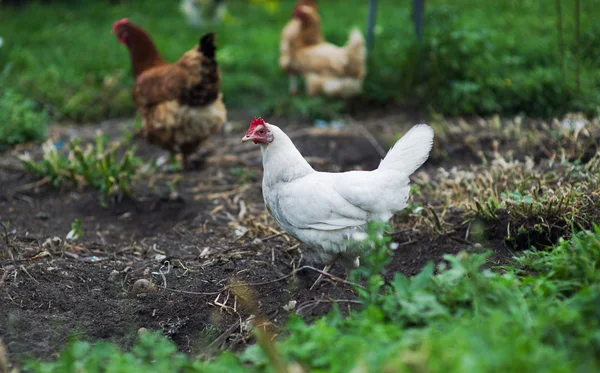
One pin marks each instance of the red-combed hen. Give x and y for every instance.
(324, 209)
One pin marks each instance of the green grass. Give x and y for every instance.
(21, 119)
(539, 316)
(477, 57)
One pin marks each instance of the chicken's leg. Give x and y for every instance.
(326, 270)
(195, 161)
(293, 79)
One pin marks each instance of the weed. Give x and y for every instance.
(545, 182)
(76, 231)
(172, 185)
(97, 165)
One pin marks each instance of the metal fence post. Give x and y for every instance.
(371, 24)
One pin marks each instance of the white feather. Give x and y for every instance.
(410, 152)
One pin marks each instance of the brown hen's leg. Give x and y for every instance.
(194, 161)
(326, 270)
(293, 80)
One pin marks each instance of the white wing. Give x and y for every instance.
(312, 202)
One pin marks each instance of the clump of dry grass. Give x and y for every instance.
(532, 203)
(573, 137)
(517, 194)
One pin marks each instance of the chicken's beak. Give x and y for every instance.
(246, 138)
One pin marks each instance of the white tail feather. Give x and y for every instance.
(410, 152)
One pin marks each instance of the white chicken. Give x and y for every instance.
(323, 209)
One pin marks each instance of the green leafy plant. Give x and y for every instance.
(97, 165)
(21, 120)
(76, 231)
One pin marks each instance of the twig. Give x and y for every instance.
(316, 302)
(399, 232)
(243, 211)
(193, 292)
(334, 278)
(220, 339)
(33, 185)
(28, 274)
(458, 239)
(272, 236)
(407, 243)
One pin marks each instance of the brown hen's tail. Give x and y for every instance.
(357, 53)
(207, 90)
(207, 45)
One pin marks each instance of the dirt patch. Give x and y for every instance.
(215, 233)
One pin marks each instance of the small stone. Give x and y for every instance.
(142, 330)
(142, 286)
(42, 215)
(113, 275)
(229, 266)
(290, 306)
(125, 216)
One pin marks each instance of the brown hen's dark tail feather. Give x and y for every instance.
(207, 45)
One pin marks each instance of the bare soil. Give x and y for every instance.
(189, 247)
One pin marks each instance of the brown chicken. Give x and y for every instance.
(327, 68)
(180, 103)
(291, 40)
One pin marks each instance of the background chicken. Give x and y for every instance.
(327, 68)
(323, 209)
(198, 12)
(181, 103)
(293, 39)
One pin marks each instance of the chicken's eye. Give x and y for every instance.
(261, 131)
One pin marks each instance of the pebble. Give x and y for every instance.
(113, 275)
(142, 286)
(290, 306)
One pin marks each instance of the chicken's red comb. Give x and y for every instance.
(300, 11)
(255, 122)
(118, 23)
